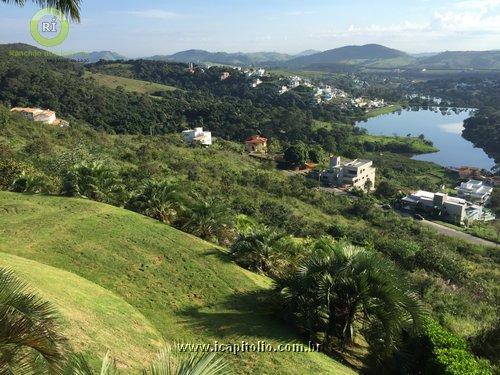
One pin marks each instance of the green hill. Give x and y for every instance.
(462, 60)
(95, 319)
(186, 288)
(92, 57)
(129, 84)
(350, 55)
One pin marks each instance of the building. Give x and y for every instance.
(452, 209)
(469, 172)
(36, 114)
(475, 191)
(358, 173)
(256, 144)
(197, 136)
(256, 83)
(283, 90)
(45, 116)
(225, 76)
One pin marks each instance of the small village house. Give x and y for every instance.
(224, 76)
(256, 145)
(197, 136)
(45, 116)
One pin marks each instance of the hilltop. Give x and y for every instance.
(462, 60)
(238, 58)
(348, 55)
(92, 57)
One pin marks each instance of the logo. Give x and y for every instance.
(49, 27)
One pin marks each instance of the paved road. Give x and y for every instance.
(450, 232)
(442, 229)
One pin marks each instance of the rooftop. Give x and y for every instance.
(35, 111)
(256, 139)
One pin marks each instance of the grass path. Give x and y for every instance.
(188, 289)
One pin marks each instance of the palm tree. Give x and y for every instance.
(208, 219)
(341, 289)
(68, 7)
(257, 250)
(159, 200)
(93, 180)
(30, 342)
(166, 363)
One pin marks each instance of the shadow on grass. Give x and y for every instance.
(240, 315)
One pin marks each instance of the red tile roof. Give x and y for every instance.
(256, 139)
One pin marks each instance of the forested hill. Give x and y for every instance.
(348, 55)
(231, 109)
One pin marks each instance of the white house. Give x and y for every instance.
(45, 116)
(358, 173)
(36, 114)
(475, 191)
(283, 90)
(256, 83)
(197, 135)
(456, 210)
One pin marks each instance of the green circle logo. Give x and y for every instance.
(49, 27)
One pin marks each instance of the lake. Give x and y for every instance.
(444, 130)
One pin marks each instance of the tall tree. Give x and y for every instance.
(68, 7)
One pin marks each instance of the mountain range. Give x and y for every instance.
(369, 56)
(92, 57)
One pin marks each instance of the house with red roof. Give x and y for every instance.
(256, 144)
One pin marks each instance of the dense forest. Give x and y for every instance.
(231, 109)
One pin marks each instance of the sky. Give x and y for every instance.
(145, 28)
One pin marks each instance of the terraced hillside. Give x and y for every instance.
(90, 258)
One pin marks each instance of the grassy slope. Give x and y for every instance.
(94, 319)
(188, 289)
(129, 84)
(383, 111)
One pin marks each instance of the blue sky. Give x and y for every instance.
(143, 28)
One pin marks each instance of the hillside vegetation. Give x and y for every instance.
(188, 289)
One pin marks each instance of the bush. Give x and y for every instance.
(449, 354)
(10, 170)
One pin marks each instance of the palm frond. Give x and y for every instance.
(68, 7)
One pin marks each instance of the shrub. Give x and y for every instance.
(449, 354)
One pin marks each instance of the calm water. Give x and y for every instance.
(445, 131)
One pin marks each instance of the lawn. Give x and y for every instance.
(129, 84)
(383, 111)
(415, 145)
(189, 290)
(94, 319)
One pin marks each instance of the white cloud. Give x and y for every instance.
(467, 18)
(154, 13)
